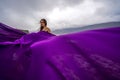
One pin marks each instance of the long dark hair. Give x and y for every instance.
(45, 21)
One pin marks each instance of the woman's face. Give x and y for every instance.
(42, 23)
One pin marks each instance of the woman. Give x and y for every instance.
(44, 27)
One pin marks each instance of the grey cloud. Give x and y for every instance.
(36, 5)
(26, 8)
(110, 8)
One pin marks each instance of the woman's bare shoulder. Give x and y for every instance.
(47, 29)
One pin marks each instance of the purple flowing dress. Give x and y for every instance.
(86, 55)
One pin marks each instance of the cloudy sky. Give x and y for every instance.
(25, 14)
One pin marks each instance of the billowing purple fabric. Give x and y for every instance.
(86, 55)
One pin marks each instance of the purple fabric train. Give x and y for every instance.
(86, 55)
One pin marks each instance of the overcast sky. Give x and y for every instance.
(25, 14)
